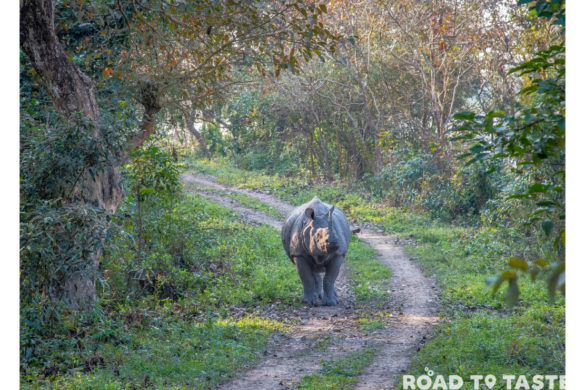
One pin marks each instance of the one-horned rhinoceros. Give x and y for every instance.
(315, 236)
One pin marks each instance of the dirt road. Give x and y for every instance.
(329, 332)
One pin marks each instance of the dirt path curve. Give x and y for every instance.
(329, 332)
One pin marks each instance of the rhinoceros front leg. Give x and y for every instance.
(331, 272)
(306, 274)
(318, 284)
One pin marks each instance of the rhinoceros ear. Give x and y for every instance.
(310, 213)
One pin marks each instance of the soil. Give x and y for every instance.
(324, 333)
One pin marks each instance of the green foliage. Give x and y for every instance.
(153, 184)
(213, 139)
(252, 138)
(533, 138)
(368, 324)
(214, 32)
(159, 351)
(548, 9)
(339, 373)
(55, 242)
(443, 189)
(55, 153)
(151, 171)
(463, 258)
(292, 128)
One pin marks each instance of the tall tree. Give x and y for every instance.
(177, 52)
(72, 94)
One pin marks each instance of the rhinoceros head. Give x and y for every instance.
(319, 235)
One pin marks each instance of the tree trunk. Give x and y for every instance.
(72, 93)
(311, 155)
(190, 122)
(322, 144)
(326, 163)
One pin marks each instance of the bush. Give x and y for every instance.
(442, 189)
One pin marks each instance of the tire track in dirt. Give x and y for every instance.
(418, 301)
(414, 302)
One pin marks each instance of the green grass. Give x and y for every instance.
(253, 203)
(296, 191)
(462, 258)
(527, 343)
(340, 373)
(480, 334)
(234, 176)
(322, 343)
(369, 323)
(248, 201)
(176, 355)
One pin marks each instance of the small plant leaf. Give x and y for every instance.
(465, 115)
(518, 263)
(547, 226)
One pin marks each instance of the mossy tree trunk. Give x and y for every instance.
(190, 122)
(72, 94)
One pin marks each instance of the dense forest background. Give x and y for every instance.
(450, 111)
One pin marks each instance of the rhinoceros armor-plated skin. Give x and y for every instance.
(315, 237)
